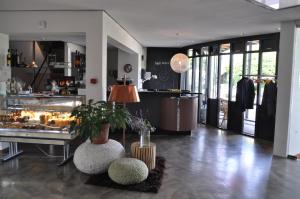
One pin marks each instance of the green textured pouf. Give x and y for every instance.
(128, 171)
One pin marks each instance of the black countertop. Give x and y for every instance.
(168, 92)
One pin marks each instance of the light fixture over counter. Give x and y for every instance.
(179, 63)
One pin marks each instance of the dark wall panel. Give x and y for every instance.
(212, 112)
(235, 118)
(158, 63)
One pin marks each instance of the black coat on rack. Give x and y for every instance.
(245, 93)
(265, 114)
(269, 98)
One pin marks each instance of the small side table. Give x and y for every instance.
(145, 154)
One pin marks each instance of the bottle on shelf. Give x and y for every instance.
(77, 59)
(13, 57)
(8, 58)
(17, 58)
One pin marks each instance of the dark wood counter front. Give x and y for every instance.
(150, 106)
(179, 113)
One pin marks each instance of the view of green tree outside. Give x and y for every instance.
(237, 72)
(269, 63)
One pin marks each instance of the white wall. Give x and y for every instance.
(126, 58)
(5, 72)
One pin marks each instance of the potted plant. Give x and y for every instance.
(144, 128)
(93, 120)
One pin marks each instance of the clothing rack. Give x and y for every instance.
(258, 75)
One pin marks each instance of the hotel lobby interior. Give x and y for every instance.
(149, 99)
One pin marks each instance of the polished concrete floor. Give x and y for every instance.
(210, 164)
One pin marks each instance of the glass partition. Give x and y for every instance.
(196, 74)
(224, 90)
(268, 70)
(236, 74)
(203, 89)
(251, 65)
(253, 45)
(213, 77)
(189, 75)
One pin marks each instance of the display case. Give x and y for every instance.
(37, 119)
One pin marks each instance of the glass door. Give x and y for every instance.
(224, 90)
(196, 70)
(203, 89)
(213, 78)
(189, 76)
(251, 71)
(236, 74)
(268, 70)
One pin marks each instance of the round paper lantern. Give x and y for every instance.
(180, 63)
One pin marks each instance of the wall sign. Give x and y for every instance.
(158, 63)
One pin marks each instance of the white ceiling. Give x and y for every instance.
(76, 38)
(157, 22)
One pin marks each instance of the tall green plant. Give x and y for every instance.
(90, 118)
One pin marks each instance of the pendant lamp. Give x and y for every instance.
(179, 63)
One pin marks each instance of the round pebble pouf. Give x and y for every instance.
(127, 171)
(95, 158)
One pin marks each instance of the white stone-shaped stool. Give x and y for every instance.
(95, 158)
(128, 171)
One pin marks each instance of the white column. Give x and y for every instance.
(5, 72)
(96, 43)
(294, 131)
(287, 85)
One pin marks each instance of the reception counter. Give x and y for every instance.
(179, 113)
(155, 107)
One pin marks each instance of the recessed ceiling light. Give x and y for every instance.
(276, 4)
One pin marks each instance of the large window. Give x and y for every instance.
(213, 77)
(224, 76)
(196, 78)
(189, 79)
(218, 66)
(236, 74)
(251, 65)
(269, 63)
(268, 70)
(203, 74)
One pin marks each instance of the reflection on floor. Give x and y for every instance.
(249, 127)
(222, 121)
(210, 164)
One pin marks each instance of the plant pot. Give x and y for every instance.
(102, 138)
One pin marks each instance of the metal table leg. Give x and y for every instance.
(67, 155)
(12, 152)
